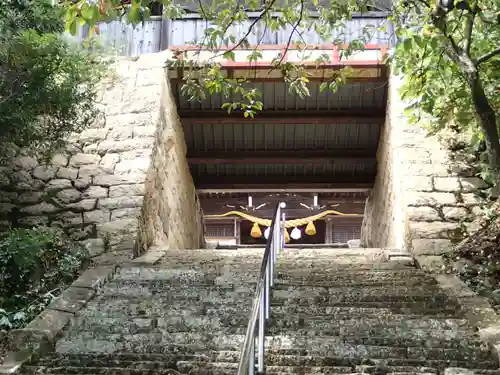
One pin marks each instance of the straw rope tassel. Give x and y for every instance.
(310, 229)
(256, 232)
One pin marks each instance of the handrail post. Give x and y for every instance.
(262, 314)
(277, 236)
(268, 290)
(283, 229)
(251, 358)
(271, 261)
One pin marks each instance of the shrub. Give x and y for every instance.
(35, 264)
(48, 85)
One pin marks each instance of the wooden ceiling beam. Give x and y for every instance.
(283, 157)
(365, 115)
(284, 182)
(242, 198)
(264, 117)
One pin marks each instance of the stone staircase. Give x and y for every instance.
(333, 312)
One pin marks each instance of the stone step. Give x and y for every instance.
(187, 367)
(293, 254)
(223, 369)
(298, 359)
(380, 337)
(223, 276)
(118, 305)
(321, 263)
(67, 370)
(227, 283)
(318, 271)
(165, 289)
(245, 300)
(231, 368)
(124, 309)
(381, 326)
(413, 339)
(217, 367)
(161, 286)
(317, 346)
(369, 279)
(220, 368)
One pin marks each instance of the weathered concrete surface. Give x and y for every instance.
(127, 172)
(424, 196)
(187, 311)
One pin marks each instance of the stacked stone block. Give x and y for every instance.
(424, 197)
(95, 187)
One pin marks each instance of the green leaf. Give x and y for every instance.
(90, 14)
(418, 41)
(229, 55)
(407, 45)
(134, 15)
(73, 27)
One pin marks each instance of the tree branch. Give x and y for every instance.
(488, 56)
(204, 14)
(455, 51)
(469, 26)
(294, 29)
(454, 44)
(252, 25)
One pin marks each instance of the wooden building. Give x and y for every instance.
(315, 153)
(331, 229)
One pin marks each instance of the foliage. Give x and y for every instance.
(204, 78)
(440, 51)
(47, 86)
(19, 15)
(34, 265)
(448, 51)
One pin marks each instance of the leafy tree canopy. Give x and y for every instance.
(47, 86)
(450, 58)
(448, 51)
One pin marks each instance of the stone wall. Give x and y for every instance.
(95, 187)
(384, 220)
(424, 197)
(172, 213)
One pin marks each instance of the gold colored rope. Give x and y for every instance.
(288, 224)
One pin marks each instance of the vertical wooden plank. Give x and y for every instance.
(165, 34)
(329, 231)
(237, 230)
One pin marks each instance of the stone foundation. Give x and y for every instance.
(424, 199)
(129, 169)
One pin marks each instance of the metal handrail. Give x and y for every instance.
(261, 305)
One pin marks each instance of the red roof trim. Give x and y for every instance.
(335, 55)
